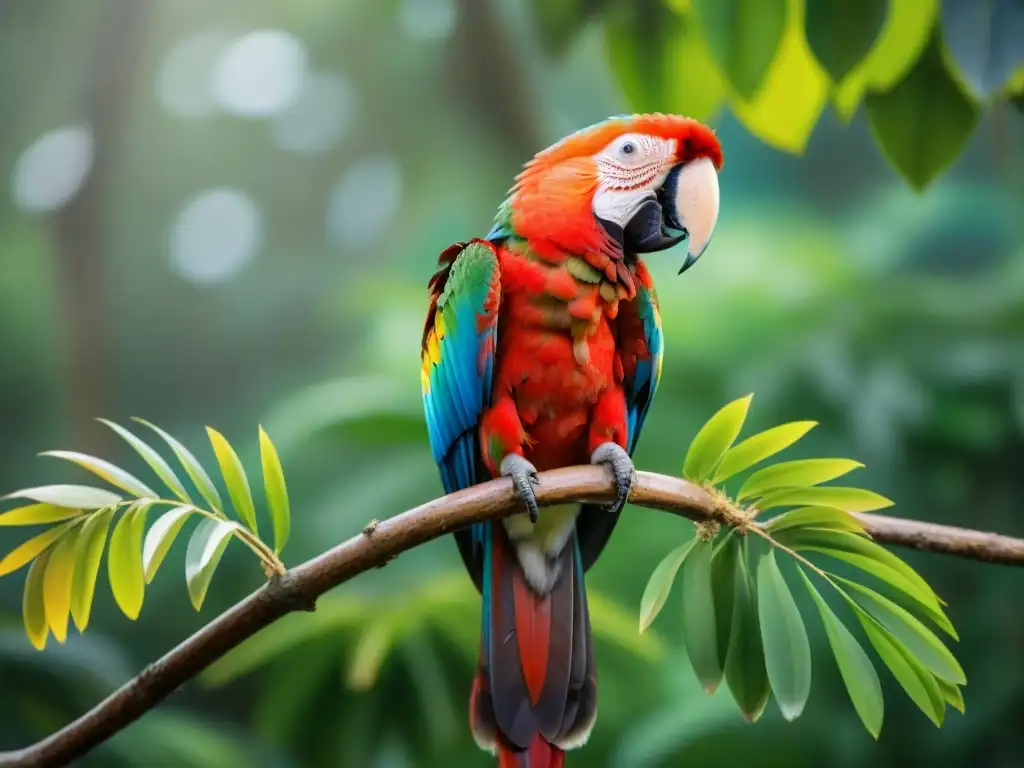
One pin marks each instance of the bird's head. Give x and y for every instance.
(637, 184)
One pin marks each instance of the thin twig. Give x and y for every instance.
(298, 588)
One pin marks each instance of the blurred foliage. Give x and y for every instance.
(925, 75)
(892, 318)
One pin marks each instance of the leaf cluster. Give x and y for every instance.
(741, 620)
(64, 559)
(925, 73)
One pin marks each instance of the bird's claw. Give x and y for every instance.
(614, 456)
(524, 477)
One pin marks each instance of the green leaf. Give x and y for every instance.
(30, 549)
(72, 496)
(841, 32)
(699, 623)
(276, 491)
(153, 459)
(744, 662)
(951, 694)
(787, 652)
(816, 517)
(192, 467)
(60, 570)
(714, 439)
(124, 560)
(866, 555)
(723, 587)
(37, 514)
(854, 665)
(743, 37)
(908, 630)
(107, 471)
(904, 37)
(160, 537)
(923, 123)
(558, 24)
(372, 649)
(661, 60)
(847, 499)
(660, 583)
(235, 479)
(87, 565)
(759, 447)
(801, 473)
(986, 39)
(33, 605)
(919, 684)
(786, 108)
(202, 557)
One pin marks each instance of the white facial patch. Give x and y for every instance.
(629, 169)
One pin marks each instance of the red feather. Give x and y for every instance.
(533, 632)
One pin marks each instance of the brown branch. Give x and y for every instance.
(299, 588)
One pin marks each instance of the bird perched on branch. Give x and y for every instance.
(543, 348)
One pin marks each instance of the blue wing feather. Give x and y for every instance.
(641, 387)
(458, 365)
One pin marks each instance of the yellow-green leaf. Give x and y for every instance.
(855, 667)
(816, 517)
(234, 478)
(160, 537)
(908, 630)
(124, 560)
(72, 496)
(759, 447)
(205, 548)
(743, 37)
(192, 467)
(699, 623)
(786, 108)
(87, 565)
(919, 684)
(801, 473)
(660, 583)
(714, 439)
(276, 491)
(951, 694)
(787, 651)
(107, 471)
(924, 122)
(840, 497)
(153, 459)
(37, 514)
(371, 651)
(60, 570)
(32, 548)
(33, 605)
(907, 29)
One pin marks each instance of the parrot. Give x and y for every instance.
(542, 348)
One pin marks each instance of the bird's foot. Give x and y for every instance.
(614, 456)
(524, 477)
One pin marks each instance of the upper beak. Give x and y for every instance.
(690, 197)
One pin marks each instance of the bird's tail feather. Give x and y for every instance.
(535, 691)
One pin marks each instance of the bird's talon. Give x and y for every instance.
(524, 477)
(615, 457)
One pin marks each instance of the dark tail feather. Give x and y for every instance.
(535, 691)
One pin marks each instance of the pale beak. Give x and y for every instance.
(693, 198)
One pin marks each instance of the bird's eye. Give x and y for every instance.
(628, 148)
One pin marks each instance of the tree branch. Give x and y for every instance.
(381, 542)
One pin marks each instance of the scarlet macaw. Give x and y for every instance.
(543, 348)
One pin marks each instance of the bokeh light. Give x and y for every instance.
(364, 201)
(260, 73)
(215, 235)
(318, 118)
(52, 169)
(184, 80)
